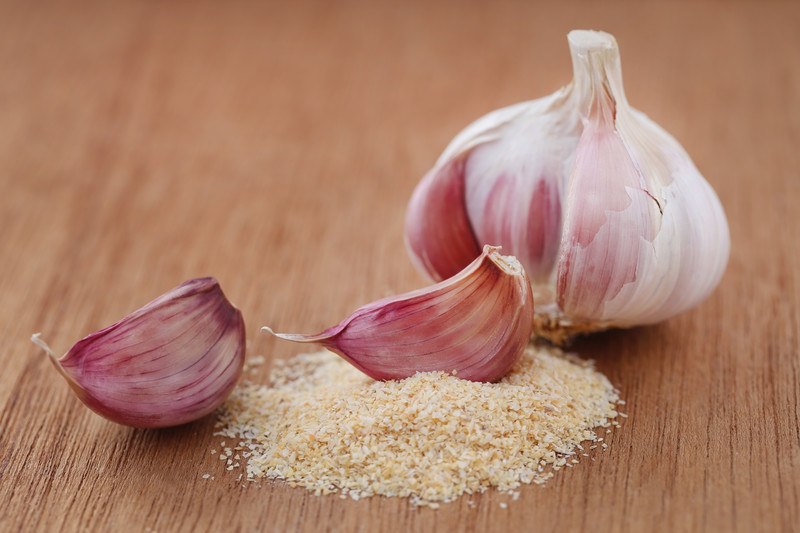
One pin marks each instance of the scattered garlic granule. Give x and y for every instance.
(432, 437)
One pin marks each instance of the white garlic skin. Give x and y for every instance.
(612, 221)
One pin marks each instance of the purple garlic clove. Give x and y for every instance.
(173, 361)
(475, 325)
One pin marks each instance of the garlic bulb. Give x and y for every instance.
(605, 210)
(475, 325)
(171, 362)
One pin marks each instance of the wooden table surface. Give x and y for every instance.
(275, 146)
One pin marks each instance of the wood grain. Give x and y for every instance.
(274, 145)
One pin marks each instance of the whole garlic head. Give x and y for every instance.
(612, 221)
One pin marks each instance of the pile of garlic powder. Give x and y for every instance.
(432, 437)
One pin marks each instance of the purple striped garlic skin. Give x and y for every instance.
(442, 225)
(474, 324)
(605, 210)
(173, 361)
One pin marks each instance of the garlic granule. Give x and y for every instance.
(325, 426)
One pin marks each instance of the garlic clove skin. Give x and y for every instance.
(607, 213)
(518, 204)
(610, 217)
(171, 362)
(475, 324)
(438, 234)
(645, 237)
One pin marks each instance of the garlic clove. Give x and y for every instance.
(475, 324)
(610, 217)
(173, 361)
(518, 204)
(516, 213)
(438, 234)
(645, 237)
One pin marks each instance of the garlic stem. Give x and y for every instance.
(597, 74)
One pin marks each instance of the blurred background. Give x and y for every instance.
(172, 129)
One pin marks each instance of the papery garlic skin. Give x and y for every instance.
(173, 361)
(475, 324)
(605, 210)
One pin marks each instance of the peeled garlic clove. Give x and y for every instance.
(475, 324)
(171, 362)
(605, 210)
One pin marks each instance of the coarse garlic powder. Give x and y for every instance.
(432, 437)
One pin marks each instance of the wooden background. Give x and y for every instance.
(275, 146)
